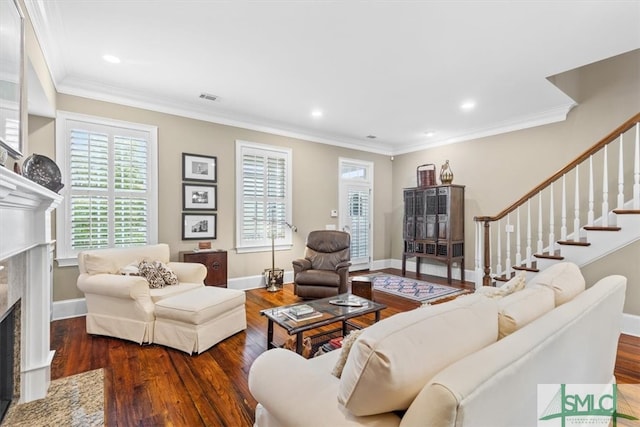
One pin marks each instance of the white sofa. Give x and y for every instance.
(443, 365)
(123, 306)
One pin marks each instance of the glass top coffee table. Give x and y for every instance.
(324, 313)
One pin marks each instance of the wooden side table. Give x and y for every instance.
(362, 286)
(216, 263)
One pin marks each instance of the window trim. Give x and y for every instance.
(280, 244)
(65, 255)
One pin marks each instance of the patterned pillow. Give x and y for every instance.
(169, 277)
(151, 273)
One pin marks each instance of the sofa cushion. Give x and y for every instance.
(521, 308)
(96, 263)
(565, 279)
(381, 375)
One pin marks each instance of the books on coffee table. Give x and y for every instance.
(294, 315)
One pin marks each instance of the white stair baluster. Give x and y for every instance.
(636, 171)
(563, 218)
(620, 204)
(499, 250)
(552, 225)
(507, 260)
(540, 244)
(518, 242)
(576, 207)
(479, 254)
(590, 213)
(605, 191)
(528, 248)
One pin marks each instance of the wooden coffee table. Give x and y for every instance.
(329, 314)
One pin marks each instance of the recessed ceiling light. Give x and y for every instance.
(430, 133)
(468, 105)
(112, 59)
(371, 136)
(316, 113)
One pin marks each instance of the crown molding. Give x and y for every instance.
(41, 13)
(553, 115)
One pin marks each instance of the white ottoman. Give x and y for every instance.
(194, 321)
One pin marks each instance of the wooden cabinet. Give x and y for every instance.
(433, 226)
(216, 263)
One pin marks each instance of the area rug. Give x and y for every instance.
(417, 290)
(77, 401)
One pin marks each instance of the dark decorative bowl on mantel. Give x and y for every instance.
(44, 171)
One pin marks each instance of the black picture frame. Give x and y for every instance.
(199, 226)
(197, 167)
(199, 197)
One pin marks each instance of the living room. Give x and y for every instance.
(496, 170)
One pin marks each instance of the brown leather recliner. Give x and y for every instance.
(325, 268)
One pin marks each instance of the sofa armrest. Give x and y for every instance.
(114, 285)
(300, 264)
(189, 272)
(296, 392)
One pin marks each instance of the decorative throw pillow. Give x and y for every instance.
(517, 283)
(347, 343)
(169, 277)
(151, 273)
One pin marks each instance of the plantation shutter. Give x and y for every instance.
(264, 204)
(109, 202)
(359, 214)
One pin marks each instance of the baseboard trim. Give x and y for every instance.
(631, 324)
(68, 308)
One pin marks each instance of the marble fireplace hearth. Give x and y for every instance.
(26, 255)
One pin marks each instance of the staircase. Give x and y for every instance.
(562, 219)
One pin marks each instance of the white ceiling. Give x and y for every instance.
(391, 69)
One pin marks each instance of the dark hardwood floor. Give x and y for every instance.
(153, 385)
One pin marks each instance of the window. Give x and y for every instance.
(109, 169)
(263, 197)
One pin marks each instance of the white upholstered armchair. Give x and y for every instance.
(120, 305)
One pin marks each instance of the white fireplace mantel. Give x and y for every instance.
(25, 228)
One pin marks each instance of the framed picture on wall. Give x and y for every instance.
(196, 167)
(198, 227)
(197, 197)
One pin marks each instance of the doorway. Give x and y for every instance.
(355, 207)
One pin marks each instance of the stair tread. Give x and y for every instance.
(627, 211)
(525, 268)
(581, 242)
(593, 228)
(547, 255)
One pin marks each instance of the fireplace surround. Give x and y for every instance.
(25, 251)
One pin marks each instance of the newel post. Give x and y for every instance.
(486, 279)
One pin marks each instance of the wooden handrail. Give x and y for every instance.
(582, 157)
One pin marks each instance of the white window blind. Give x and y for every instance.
(263, 196)
(109, 170)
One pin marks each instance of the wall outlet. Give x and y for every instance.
(330, 227)
(508, 228)
(334, 213)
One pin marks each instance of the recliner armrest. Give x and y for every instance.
(343, 264)
(189, 272)
(301, 264)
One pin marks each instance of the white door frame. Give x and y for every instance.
(367, 180)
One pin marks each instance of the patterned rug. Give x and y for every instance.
(77, 400)
(417, 290)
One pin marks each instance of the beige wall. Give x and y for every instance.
(498, 170)
(315, 183)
